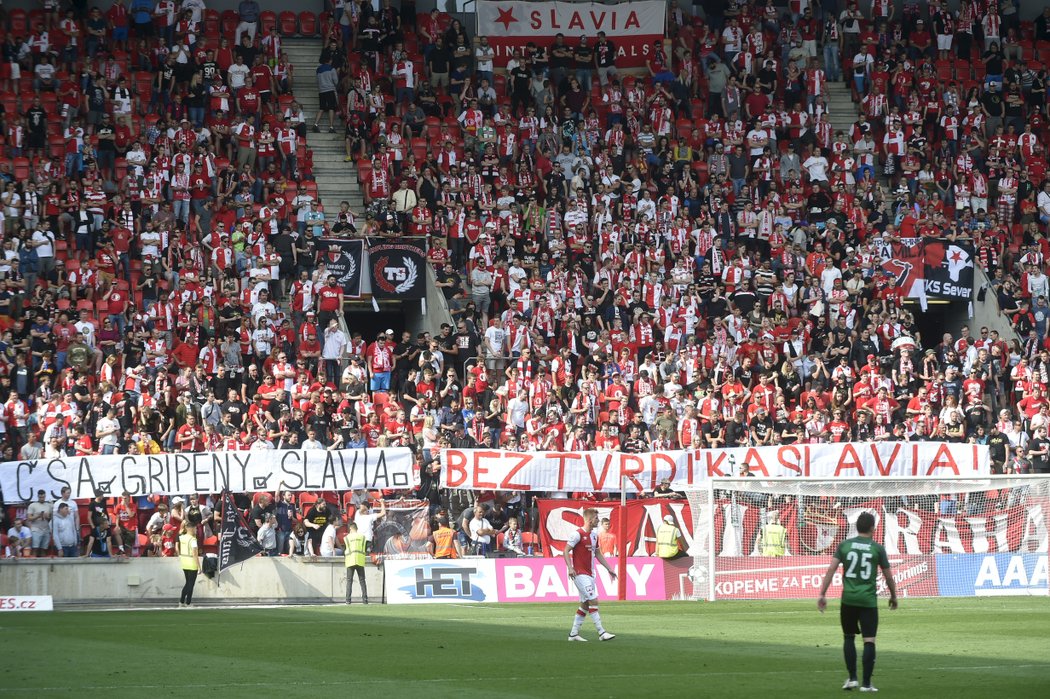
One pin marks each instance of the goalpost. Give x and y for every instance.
(757, 538)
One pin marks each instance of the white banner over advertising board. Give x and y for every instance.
(479, 469)
(632, 27)
(210, 472)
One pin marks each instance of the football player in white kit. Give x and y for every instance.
(580, 552)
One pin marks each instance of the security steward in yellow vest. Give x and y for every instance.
(443, 540)
(354, 555)
(774, 537)
(668, 538)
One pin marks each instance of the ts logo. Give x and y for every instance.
(443, 582)
(395, 274)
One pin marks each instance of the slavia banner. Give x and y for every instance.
(210, 472)
(904, 531)
(601, 471)
(632, 27)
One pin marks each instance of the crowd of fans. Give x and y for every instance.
(687, 257)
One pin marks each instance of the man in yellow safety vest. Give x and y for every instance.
(774, 536)
(668, 540)
(354, 544)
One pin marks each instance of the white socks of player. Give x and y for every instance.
(577, 621)
(597, 619)
(582, 614)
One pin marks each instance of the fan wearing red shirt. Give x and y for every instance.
(838, 428)
(190, 437)
(329, 301)
(249, 100)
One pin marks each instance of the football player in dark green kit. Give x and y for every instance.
(860, 558)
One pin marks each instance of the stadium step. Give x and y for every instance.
(336, 180)
(841, 110)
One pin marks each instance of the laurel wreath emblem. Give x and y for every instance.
(410, 280)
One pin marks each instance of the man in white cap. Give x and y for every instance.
(668, 540)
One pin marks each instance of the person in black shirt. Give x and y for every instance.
(101, 542)
(1038, 452)
(736, 431)
(263, 507)
(998, 446)
(451, 285)
(194, 511)
(561, 59)
(97, 509)
(284, 245)
(439, 62)
(521, 94)
(315, 521)
(583, 58)
(762, 428)
(467, 344)
(36, 128)
(320, 422)
(235, 408)
(248, 51)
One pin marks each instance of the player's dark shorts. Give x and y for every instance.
(862, 619)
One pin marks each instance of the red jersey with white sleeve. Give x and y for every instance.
(582, 544)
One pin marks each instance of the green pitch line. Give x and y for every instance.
(928, 648)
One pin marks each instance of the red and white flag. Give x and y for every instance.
(632, 27)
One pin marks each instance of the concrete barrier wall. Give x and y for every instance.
(145, 581)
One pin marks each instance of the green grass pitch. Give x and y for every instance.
(928, 648)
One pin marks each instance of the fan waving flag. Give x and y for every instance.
(632, 27)
(236, 542)
(398, 269)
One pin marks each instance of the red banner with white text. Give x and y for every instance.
(814, 526)
(560, 518)
(602, 471)
(631, 27)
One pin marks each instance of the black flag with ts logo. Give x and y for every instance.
(398, 270)
(236, 542)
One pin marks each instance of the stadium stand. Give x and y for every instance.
(696, 253)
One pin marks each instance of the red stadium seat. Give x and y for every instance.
(288, 23)
(228, 22)
(267, 19)
(364, 170)
(18, 21)
(21, 168)
(56, 146)
(307, 23)
(211, 23)
(10, 102)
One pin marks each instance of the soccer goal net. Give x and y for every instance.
(774, 539)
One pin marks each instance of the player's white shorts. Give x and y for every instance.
(585, 584)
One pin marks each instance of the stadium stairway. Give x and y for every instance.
(336, 180)
(841, 109)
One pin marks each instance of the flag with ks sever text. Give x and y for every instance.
(236, 542)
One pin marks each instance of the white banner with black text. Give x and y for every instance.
(209, 472)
